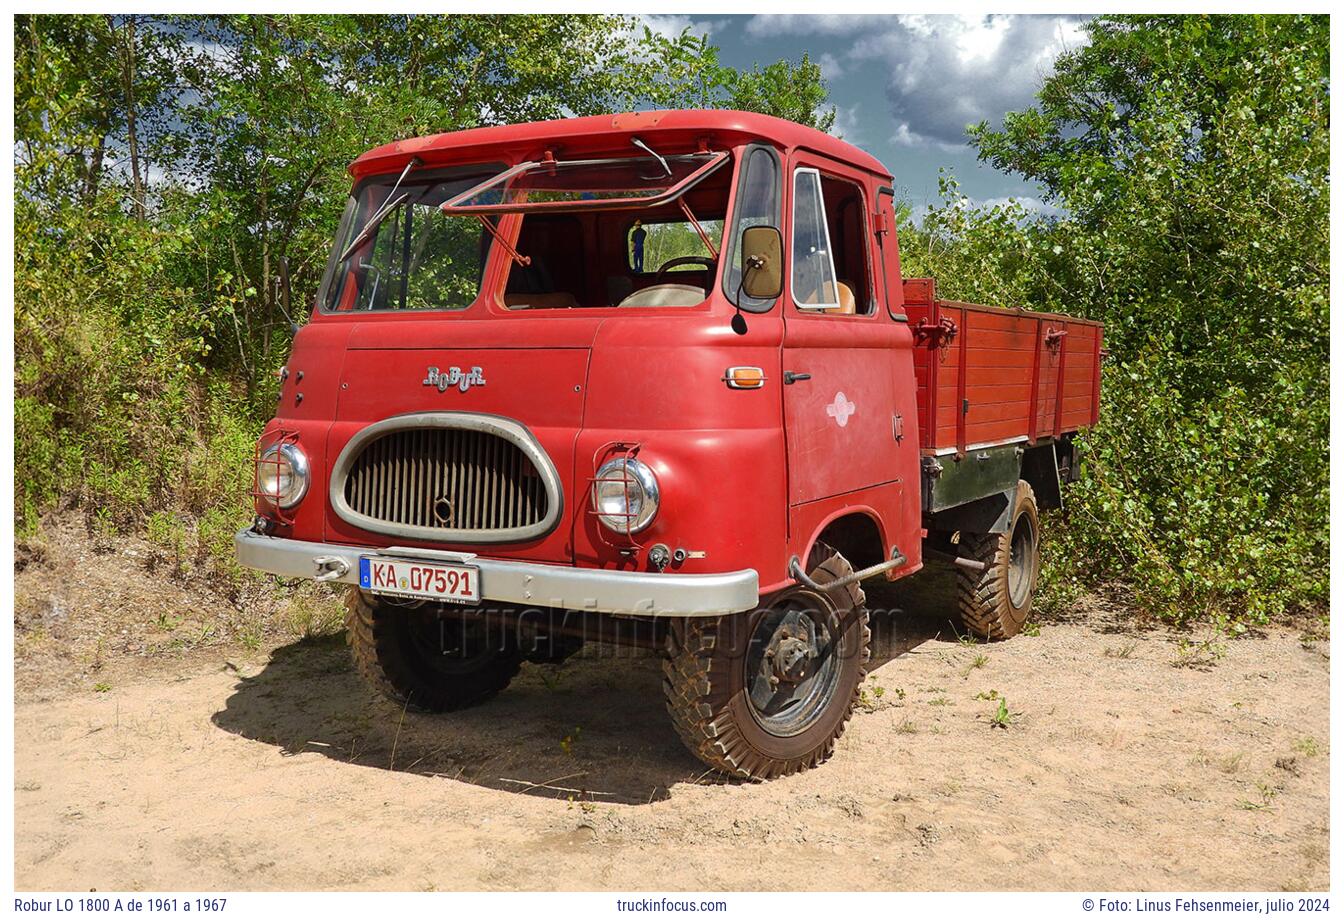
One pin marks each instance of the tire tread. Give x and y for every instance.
(982, 597)
(695, 683)
(375, 634)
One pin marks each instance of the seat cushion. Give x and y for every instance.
(845, 299)
(555, 301)
(666, 295)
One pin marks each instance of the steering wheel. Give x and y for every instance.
(670, 264)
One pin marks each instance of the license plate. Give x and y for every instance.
(440, 581)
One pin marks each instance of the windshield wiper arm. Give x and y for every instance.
(651, 152)
(389, 205)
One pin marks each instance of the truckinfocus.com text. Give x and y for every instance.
(656, 905)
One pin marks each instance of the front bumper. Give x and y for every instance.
(526, 583)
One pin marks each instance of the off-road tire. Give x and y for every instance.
(388, 657)
(704, 685)
(985, 600)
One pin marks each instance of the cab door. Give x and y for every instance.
(839, 393)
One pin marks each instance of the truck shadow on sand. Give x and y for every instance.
(593, 728)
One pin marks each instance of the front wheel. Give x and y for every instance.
(767, 693)
(425, 659)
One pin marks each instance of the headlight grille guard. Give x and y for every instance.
(281, 437)
(613, 450)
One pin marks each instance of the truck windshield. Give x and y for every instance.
(417, 257)
(629, 232)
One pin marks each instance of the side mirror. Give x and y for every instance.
(762, 263)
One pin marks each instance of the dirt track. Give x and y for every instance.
(278, 770)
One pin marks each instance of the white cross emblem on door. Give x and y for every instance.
(841, 409)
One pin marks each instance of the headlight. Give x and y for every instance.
(625, 495)
(282, 475)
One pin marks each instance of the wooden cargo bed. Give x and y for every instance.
(987, 376)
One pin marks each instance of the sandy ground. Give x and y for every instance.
(276, 769)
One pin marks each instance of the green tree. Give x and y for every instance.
(685, 73)
(153, 290)
(1190, 156)
(793, 91)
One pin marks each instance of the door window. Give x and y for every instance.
(831, 269)
(813, 271)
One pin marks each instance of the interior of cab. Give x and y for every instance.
(848, 234)
(647, 257)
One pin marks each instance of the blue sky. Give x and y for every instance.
(905, 87)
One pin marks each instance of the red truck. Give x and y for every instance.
(655, 379)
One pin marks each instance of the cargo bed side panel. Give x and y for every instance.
(987, 375)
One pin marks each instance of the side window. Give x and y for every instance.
(831, 267)
(757, 205)
(813, 271)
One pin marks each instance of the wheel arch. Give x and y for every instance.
(856, 532)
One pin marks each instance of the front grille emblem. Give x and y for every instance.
(443, 511)
(454, 377)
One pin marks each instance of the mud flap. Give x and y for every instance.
(992, 514)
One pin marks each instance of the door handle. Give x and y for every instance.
(792, 377)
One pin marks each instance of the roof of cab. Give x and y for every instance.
(726, 127)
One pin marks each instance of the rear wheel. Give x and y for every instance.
(767, 693)
(995, 603)
(426, 659)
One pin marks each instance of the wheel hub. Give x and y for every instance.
(791, 665)
(789, 654)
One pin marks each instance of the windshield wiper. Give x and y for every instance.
(667, 170)
(389, 205)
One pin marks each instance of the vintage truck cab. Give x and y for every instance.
(654, 378)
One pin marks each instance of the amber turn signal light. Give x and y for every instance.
(744, 378)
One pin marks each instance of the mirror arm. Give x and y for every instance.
(739, 323)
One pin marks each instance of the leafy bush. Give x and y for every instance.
(1189, 157)
(115, 406)
(151, 316)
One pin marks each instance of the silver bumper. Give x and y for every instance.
(526, 583)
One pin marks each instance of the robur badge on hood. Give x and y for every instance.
(454, 377)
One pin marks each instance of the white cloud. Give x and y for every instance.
(1028, 203)
(768, 25)
(943, 72)
(947, 72)
(904, 136)
(830, 65)
(671, 25)
(847, 124)
(216, 51)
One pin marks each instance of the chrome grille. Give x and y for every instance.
(447, 479)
